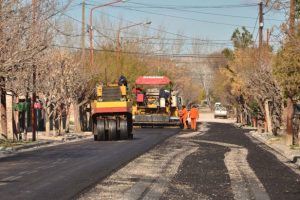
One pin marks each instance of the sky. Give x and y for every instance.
(213, 20)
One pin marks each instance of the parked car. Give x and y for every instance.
(217, 104)
(220, 111)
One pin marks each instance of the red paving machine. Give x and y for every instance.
(155, 104)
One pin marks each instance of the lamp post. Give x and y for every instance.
(118, 50)
(91, 27)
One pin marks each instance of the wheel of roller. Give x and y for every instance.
(112, 129)
(123, 129)
(94, 128)
(129, 124)
(100, 130)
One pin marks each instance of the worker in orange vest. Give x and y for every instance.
(194, 115)
(183, 114)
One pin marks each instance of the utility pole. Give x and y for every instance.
(83, 33)
(292, 17)
(119, 70)
(33, 113)
(268, 38)
(3, 115)
(261, 25)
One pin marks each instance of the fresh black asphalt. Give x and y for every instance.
(64, 171)
(205, 173)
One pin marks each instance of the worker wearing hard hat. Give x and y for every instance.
(183, 114)
(194, 115)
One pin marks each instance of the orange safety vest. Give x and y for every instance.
(184, 113)
(194, 113)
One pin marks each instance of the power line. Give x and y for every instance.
(171, 33)
(94, 28)
(145, 54)
(256, 36)
(208, 44)
(194, 6)
(150, 27)
(180, 17)
(79, 21)
(201, 12)
(255, 24)
(205, 42)
(185, 8)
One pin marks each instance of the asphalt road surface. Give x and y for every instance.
(64, 171)
(218, 162)
(230, 165)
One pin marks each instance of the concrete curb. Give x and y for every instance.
(28, 146)
(25, 146)
(8, 151)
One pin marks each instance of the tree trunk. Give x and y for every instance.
(55, 124)
(16, 119)
(289, 122)
(241, 117)
(88, 118)
(268, 117)
(60, 126)
(26, 117)
(77, 127)
(47, 126)
(68, 120)
(276, 114)
(3, 114)
(25, 122)
(9, 116)
(48, 116)
(254, 122)
(265, 126)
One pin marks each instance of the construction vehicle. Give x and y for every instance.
(156, 104)
(111, 113)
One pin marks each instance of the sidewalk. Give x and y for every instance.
(277, 143)
(42, 141)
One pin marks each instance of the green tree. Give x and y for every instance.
(286, 69)
(297, 9)
(228, 53)
(201, 95)
(242, 39)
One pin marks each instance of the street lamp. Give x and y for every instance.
(91, 26)
(118, 39)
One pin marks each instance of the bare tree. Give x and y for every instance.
(22, 40)
(62, 82)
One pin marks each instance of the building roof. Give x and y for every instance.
(152, 80)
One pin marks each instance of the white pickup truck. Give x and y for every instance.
(220, 111)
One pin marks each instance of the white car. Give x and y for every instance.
(220, 112)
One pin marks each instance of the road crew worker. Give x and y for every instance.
(183, 114)
(194, 115)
